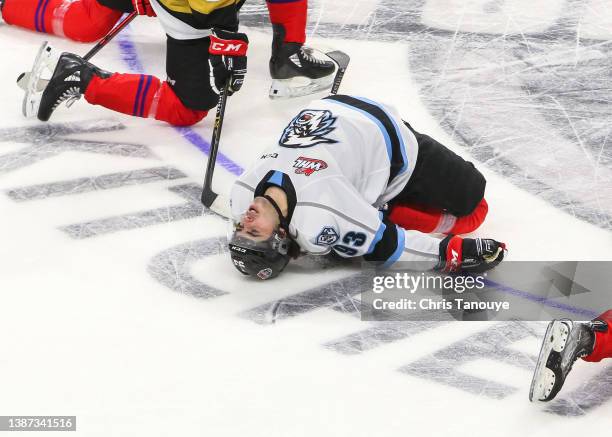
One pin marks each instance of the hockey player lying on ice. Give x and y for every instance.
(325, 186)
(190, 25)
(564, 342)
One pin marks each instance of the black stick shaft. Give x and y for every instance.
(208, 195)
(109, 36)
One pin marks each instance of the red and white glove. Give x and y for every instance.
(143, 7)
(228, 58)
(467, 255)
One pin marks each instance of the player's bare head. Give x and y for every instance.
(260, 244)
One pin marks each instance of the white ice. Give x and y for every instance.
(90, 324)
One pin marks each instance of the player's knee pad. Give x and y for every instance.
(169, 108)
(472, 221)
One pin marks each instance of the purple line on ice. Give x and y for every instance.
(129, 54)
(542, 300)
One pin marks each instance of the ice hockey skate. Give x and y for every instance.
(297, 70)
(35, 81)
(70, 78)
(564, 342)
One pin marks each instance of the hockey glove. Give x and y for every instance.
(143, 7)
(468, 255)
(228, 58)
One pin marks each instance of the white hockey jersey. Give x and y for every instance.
(339, 161)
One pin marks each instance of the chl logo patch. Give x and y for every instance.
(308, 129)
(264, 273)
(327, 237)
(308, 166)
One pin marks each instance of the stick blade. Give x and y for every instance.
(340, 58)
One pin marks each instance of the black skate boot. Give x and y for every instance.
(564, 342)
(69, 81)
(295, 70)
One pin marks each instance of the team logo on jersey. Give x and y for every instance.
(327, 237)
(308, 166)
(308, 129)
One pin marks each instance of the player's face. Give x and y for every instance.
(259, 221)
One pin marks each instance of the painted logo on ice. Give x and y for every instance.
(308, 166)
(308, 129)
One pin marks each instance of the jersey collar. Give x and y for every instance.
(281, 180)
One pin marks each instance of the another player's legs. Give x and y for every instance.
(181, 101)
(603, 338)
(564, 342)
(294, 69)
(79, 20)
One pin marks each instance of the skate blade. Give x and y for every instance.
(299, 86)
(46, 60)
(543, 378)
(24, 78)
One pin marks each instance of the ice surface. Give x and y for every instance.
(118, 303)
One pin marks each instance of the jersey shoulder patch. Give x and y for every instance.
(309, 128)
(327, 236)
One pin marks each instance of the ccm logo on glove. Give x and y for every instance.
(227, 47)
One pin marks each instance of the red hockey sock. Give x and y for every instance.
(430, 220)
(292, 15)
(79, 20)
(142, 96)
(603, 341)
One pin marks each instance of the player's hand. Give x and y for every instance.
(476, 255)
(143, 7)
(228, 58)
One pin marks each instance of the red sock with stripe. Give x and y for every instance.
(79, 20)
(142, 96)
(603, 341)
(430, 220)
(292, 15)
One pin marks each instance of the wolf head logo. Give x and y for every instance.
(308, 129)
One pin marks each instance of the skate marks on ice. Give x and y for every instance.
(173, 267)
(191, 207)
(445, 367)
(524, 87)
(42, 142)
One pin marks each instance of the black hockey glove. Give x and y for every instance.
(468, 255)
(228, 58)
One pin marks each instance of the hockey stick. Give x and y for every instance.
(214, 201)
(24, 77)
(210, 199)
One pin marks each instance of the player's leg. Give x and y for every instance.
(433, 220)
(183, 100)
(444, 194)
(603, 339)
(294, 70)
(79, 20)
(564, 342)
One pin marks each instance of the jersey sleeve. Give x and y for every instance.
(354, 228)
